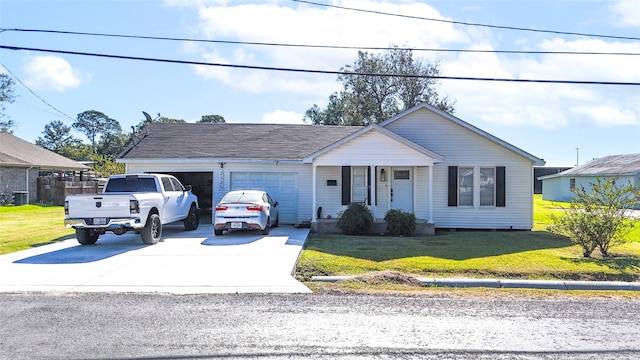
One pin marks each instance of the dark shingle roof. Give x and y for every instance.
(234, 141)
(608, 165)
(17, 152)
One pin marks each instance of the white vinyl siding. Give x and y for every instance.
(464, 148)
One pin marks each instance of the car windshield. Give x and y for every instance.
(131, 184)
(241, 197)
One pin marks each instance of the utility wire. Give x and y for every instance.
(34, 94)
(320, 46)
(467, 23)
(269, 68)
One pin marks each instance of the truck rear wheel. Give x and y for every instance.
(87, 236)
(193, 219)
(152, 230)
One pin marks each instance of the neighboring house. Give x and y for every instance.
(21, 161)
(559, 187)
(540, 171)
(444, 170)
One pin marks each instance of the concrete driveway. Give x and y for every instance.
(183, 262)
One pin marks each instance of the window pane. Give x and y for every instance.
(487, 186)
(465, 179)
(359, 184)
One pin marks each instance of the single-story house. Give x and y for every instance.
(425, 161)
(21, 162)
(559, 187)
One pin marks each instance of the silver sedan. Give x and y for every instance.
(245, 210)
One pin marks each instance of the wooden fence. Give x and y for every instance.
(54, 191)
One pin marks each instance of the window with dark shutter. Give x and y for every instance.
(453, 186)
(500, 186)
(346, 185)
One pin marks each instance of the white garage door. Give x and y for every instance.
(283, 188)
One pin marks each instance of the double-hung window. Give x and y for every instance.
(477, 186)
(487, 186)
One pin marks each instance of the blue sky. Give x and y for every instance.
(547, 120)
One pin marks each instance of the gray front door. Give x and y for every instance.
(402, 189)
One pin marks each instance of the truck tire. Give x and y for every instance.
(87, 236)
(193, 219)
(152, 230)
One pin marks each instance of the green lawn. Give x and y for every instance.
(534, 254)
(26, 226)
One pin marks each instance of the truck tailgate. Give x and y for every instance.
(100, 205)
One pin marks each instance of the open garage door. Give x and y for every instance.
(283, 188)
(201, 182)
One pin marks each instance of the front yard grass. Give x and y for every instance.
(26, 226)
(534, 254)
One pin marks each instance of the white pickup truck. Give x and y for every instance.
(140, 203)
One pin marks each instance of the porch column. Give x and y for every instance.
(372, 176)
(314, 212)
(430, 191)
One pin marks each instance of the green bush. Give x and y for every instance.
(400, 223)
(355, 220)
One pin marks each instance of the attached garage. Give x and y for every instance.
(282, 186)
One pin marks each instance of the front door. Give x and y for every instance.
(402, 189)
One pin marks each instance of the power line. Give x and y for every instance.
(468, 23)
(34, 94)
(311, 71)
(232, 42)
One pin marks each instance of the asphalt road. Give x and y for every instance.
(312, 326)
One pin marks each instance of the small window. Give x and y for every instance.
(487, 186)
(572, 184)
(166, 184)
(401, 175)
(465, 186)
(332, 182)
(359, 184)
(177, 186)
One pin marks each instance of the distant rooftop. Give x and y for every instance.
(17, 152)
(609, 165)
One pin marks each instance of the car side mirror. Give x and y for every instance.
(275, 203)
(188, 188)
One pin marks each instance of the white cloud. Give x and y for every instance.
(549, 106)
(51, 73)
(625, 13)
(272, 22)
(282, 117)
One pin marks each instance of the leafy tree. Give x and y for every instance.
(367, 99)
(6, 97)
(95, 125)
(597, 217)
(159, 119)
(113, 144)
(214, 119)
(58, 138)
(106, 165)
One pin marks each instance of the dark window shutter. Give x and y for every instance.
(368, 185)
(346, 185)
(453, 186)
(500, 187)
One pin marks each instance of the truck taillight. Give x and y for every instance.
(254, 207)
(134, 207)
(66, 207)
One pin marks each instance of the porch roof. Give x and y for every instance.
(374, 145)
